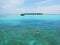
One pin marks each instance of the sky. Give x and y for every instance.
(22, 6)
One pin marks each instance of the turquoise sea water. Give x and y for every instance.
(29, 29)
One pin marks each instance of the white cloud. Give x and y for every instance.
(11, 4)
(12, 7)
(16, 11)
(53, 9)
(43, 2)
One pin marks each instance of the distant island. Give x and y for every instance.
(31, 14)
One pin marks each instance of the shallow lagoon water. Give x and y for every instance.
(30, 30)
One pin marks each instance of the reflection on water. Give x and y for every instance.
(29, 31)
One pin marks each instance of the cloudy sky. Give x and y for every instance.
(21, 6)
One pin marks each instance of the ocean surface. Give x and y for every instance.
(29, 29)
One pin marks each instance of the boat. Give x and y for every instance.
(31, 14)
